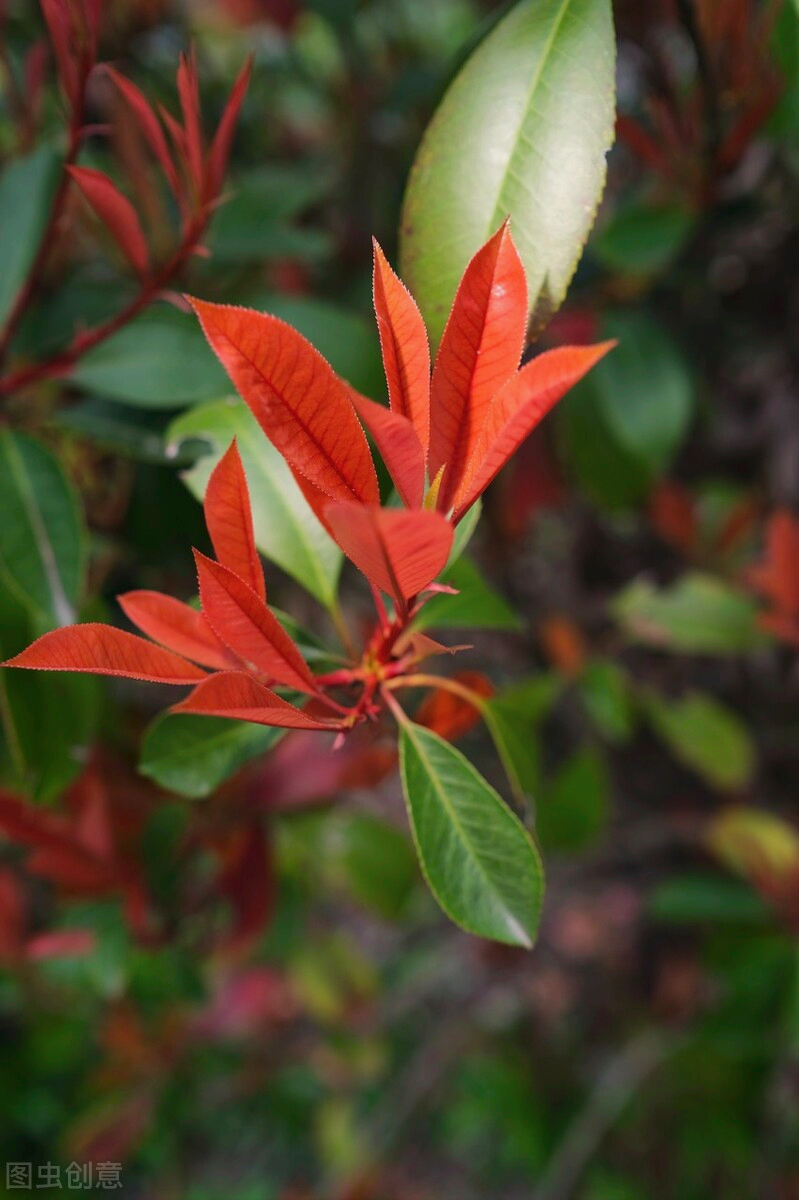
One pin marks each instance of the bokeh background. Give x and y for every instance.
(244, 991)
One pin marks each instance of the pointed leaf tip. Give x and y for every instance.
(103, 650)
(228, 516)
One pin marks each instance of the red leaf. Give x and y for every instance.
(241, 619)
(399, 447)
(479, 352)
(103, 650)
(149, 125)
(189, 93)
(247, 882)
(777, 577)
(57, 856)
(523, 402)
(216, 164)
(117, 214)
(238, 696)
(406, 350)
(59, 27)
(177, 626)
(229, 519)
(297, 398)
(452, 716)
(399, 551)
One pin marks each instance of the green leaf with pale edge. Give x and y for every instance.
(705, 736)
(42, 542)
(479, 861)
(286, 530)
(523, 130)
(192, 755)
(27, 187)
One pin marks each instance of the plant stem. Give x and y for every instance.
(64, 359)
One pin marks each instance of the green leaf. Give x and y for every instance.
(250, 226)
(608, 474)
(42, 540)
(698, 614)
(193, 755)
(605, 691)
(512, 717)
(464, 532)
(705, 736)
(27, 188)
(286, 529)
(644, 389)
(477, 606)
(130, 432)
(704, 897)
(576, 808)
(479, 861)
(161, 360)
(522, 131)
(643, 237)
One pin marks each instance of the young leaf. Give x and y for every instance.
(148, 124)
(193, 755)
(299, 401)
(103, 650)
(286, 529)
(228, 517)
(406, 350)
(239, 617)
(399, 447)
(400, 552)
(514, 413)
(117, 214)
(177, 626)
(41, 529)
(479, 352)
(523, 130)
(234, 695)
(479, 861)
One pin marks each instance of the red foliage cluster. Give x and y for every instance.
(443, 439)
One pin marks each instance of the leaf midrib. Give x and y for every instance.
(514, 925)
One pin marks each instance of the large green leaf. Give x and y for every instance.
(522, 131)
(706, 736)
(162, 360)
(42, 543)
(286, 529)
(480, 862)
(192, 755)
(698, 614)
(27, 187)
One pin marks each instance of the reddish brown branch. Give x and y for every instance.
(65, 359)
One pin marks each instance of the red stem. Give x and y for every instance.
(83, 342)
(50, 231)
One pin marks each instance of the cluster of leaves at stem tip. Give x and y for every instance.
(192, 170)
(443, 439)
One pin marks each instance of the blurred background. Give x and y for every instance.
(220, 973)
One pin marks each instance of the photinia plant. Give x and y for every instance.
(443, 439)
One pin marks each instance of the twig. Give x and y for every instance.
(64, 359)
